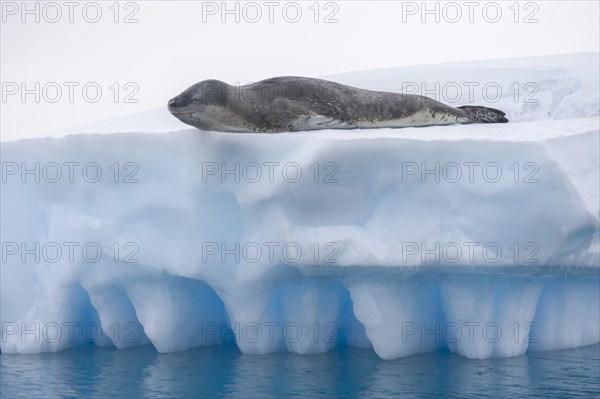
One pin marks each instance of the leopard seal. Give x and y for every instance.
(290, 104)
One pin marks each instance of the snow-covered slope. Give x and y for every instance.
(479, 238)
(537, 88)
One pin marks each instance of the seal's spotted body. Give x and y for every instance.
(288, 104)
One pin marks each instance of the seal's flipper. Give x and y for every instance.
(317, 122)
(483, 114)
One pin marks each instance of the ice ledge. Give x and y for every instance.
(368, 190)
(177, 205)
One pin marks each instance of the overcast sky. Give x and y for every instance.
(139, 54)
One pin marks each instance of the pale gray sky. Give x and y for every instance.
(167, 46)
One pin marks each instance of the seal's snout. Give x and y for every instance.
(179, 104)
(173, 104)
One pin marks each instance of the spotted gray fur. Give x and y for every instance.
(289, 104)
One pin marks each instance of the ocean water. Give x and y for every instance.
(222, 371)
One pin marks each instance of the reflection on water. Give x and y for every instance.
(344, 372)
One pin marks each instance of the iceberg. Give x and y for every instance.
(481, 239)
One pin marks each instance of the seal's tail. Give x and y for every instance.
(484, 114)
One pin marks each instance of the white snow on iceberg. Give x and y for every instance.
(482, 239)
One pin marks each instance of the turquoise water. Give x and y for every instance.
(222, 371)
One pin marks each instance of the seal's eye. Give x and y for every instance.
(195, 99)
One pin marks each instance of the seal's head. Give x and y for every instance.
(194, 104)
